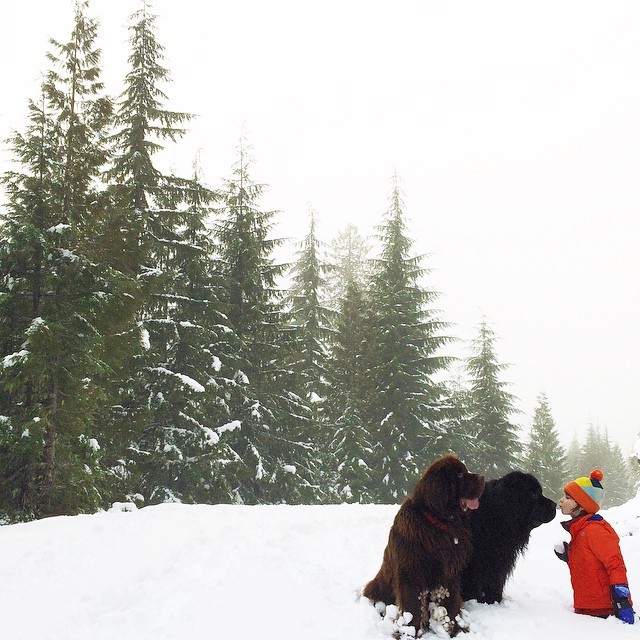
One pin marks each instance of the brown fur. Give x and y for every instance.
(420, 556)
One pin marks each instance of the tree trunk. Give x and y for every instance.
(49, 454)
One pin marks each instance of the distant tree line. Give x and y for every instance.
(554, 466)
(149, 350)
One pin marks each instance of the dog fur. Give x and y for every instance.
(429, 546)
(510, 508)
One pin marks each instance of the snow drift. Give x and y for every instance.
(201, 572)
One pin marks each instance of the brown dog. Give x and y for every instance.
(429, 546)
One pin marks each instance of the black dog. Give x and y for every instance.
(510, 508)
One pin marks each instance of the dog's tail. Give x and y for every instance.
(379, 590)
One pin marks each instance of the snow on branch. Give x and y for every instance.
(185, 380)
(14, 358)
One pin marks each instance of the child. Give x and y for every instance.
(598, 572)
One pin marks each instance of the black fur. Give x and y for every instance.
(510, 508)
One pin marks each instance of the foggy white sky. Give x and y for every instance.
(515, 128)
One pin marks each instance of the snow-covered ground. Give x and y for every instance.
(224, 572)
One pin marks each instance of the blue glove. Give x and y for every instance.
(561, 549)
(620, 594)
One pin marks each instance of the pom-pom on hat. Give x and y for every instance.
(587, 492)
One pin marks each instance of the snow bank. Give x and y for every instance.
(178, 572)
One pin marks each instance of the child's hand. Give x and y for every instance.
(561, 549)
(621, 601)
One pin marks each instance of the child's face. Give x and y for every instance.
(568, 505)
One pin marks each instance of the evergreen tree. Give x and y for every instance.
(597, 452)
(544, 456)
(346, 380)
(348, 265)
(619, 486)
(454, 431)
(311, 322)
(594, 450)
(309, 317)
(186, 381)
(400, 359)
(143, 124)
(147, 197)
(352, 452)
(179, 376)
(58, 300)
(490, 409)
(574, 461)
(633, 466)
(273, 463)
(350, 446)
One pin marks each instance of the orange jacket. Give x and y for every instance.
(595, 563)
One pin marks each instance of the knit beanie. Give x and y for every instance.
(587, 492)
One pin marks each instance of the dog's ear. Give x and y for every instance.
(439, 485)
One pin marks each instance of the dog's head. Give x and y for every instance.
(528, 506)
(446, 488)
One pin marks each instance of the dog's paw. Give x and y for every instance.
(437, 613)
(391, 612)
(406, 632)
(381, 608)
(405, 618)
(439, 594)
(395, 623)
(464, 620)
(405, 629)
